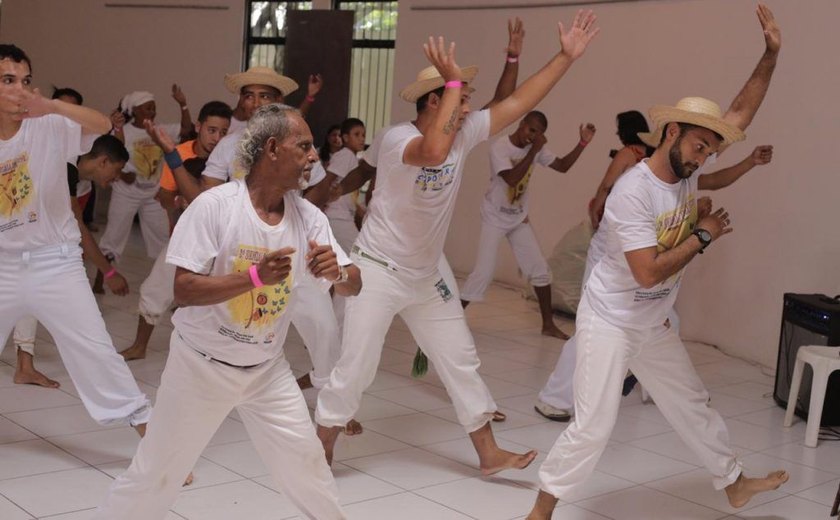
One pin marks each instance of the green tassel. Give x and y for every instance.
(420, 365)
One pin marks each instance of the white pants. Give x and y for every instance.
(195, 396)
(559, 390)
(157, 292)
(128, 200)
(315, 321)
(24, 335)
(50, 283)
(436, 320)
(659, 360)
(345, 233)
(526, 249)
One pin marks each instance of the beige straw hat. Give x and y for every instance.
(693, 110)
(260, 76)
(429, 79)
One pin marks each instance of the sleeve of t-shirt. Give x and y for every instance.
(395, 142)
(194, 245)
(72, 178)
(318, 229)
(370, 155)
(318, 173)
(218, 164)
(69, 133)
(499, 157)
(545, 157)
(631, 216)
(343, 163)
(476, 128)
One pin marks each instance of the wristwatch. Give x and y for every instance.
(704, 237)
(343, 275)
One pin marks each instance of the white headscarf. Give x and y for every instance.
(134, 99)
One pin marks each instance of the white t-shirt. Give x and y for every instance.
(145, 158)
(408, 218)
(34, 199)
(220, 233)
(83, 187)
(505, 206)
(236, 125)
(642, 211)
(341, 163)
(222, 164)
(371, 155)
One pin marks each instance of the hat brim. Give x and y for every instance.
(417, 89)
(235, 82)
(662, 115)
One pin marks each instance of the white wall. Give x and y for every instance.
(107, 52)
(785, 214)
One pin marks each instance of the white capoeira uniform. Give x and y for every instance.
(504, 213)
(138, 197)
(43, 274)
(314, 320)
(230, 355)
(559, 389)
(621, 325)
(342, 212)
(398, 252)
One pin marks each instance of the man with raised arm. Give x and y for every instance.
(556, 399)
(241, 252)
(43, 274)
(398, 250)
(652, 232)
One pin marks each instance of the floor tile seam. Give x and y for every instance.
(17, 505)
(86, 465)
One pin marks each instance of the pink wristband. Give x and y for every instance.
(255, 277)
(311, 99)
(454, 84)
(513, 59)
(111, 273)
(583, 143)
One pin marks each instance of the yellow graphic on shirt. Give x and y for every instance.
(16, 188)
(674, 226)
(146, 157)
(260, 307)
(515, 193)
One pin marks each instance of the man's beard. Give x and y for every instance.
(681, 170)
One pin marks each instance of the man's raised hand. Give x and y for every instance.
(159, 136)
(762, 154)
(443, 59)
(772, 33)
(316, 83)
(575, 41)
(516, 35)
(587, 132)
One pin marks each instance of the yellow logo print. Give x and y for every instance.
(16, 188)
(260, 307)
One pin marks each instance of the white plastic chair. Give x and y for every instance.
(823, 361)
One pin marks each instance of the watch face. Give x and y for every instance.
(704, 236)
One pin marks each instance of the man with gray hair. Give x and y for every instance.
(241, 251)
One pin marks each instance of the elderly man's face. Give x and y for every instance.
(295, 155)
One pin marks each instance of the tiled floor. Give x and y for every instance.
(413, 461)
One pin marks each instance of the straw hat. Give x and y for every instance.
(429, 79)
(260, 76)
(693, 110)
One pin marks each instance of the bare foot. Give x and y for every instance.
(33, 377)
(501, 460)
(328, 435)
(543, 507)
(304, 381)
(553, 331)
(353, 427)
(742, 490)
(499, 416)
(134, 352)
(189, 479)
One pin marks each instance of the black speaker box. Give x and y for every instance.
(808, 319)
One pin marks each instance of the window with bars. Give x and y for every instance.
(374, 38)
(266, 34)
(372, 80)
